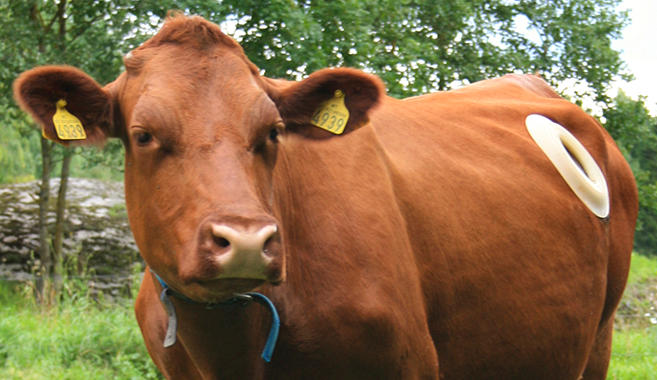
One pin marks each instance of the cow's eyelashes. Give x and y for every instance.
(275, 131)
(273, 135)
(267, 138)
(143, 138)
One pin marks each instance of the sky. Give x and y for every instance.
(639, 51)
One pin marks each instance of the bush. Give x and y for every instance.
(635, 131)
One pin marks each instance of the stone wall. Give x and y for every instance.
(97, 234)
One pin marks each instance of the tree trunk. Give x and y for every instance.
(57, 257)
(45, 260)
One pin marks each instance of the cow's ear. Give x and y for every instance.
(302, 104)
(39, 90)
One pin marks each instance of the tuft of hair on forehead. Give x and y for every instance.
(193, 31)
(190, 32)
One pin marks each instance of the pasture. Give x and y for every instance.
(87, 339)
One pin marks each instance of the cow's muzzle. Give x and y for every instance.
(244, 253)
(234, 257)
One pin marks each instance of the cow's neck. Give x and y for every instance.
(329, 195)
(339, 221)
(223, 342)
(239, 300)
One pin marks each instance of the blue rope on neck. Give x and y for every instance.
(238, 300)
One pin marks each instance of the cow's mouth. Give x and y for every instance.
(223, 289)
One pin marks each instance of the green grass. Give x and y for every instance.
(638, 308)
(634, 348)
(634, 355)
(643, 269)
(77, 339)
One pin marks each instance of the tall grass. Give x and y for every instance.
(78, 338)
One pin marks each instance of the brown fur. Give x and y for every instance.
(433, 239)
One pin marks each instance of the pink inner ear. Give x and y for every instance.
(38, 90)
(298, 102)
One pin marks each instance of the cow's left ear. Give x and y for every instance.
(45, 91)
(318, 98)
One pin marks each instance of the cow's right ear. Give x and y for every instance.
(38, 91)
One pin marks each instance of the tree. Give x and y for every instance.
(630, 124)
(418, 46)
(91, 35)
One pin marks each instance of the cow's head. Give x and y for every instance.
(201, 130)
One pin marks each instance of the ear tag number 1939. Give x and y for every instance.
(332, 115)
(68, 126)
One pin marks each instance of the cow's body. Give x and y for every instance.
(436, 240)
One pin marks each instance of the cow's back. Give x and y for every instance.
(514, 266)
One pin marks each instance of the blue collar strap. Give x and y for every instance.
(238, 300)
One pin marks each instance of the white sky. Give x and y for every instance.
(639, 51)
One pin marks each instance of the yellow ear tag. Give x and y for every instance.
(332, 115)
(68, 126)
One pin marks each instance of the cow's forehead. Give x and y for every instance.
(181, 68)
(192, 67)
(211, 89)
(215, 102)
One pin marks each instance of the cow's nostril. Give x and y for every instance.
(239, 240)
(222, 242)
(267, 244)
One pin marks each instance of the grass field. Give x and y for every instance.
(78, 339)
(81, 339)
(634, 354)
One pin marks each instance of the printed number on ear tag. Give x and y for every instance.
(332, 115)
(68, 126)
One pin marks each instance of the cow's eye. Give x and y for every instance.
(273, 135)
(144, 138)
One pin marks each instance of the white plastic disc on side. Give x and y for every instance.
(573, 161)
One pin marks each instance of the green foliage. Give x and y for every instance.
(630, 124)
(19, 147)
(90, 35)
(78, 339)
(105, 164)
(424, 45)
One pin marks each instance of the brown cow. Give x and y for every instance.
(431, 239)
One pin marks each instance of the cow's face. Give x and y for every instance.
(201, 144)
(202, 131)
